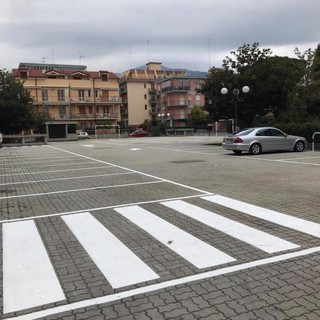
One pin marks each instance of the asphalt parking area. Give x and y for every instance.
(62, 196)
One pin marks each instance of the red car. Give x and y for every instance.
(139, 133)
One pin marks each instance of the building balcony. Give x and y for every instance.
(96, 100)
(176, 103)
(67, 101)
(86, 116)
(176, 89)
(64, 102)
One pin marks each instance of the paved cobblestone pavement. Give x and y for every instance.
(275, 194)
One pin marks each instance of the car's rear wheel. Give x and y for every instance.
(299, 146)
(255, 149)
(237, 151)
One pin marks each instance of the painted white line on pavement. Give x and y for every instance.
(53, 171)
(29, 279)
(142, 173)
(97, 209)
(77, 190)
(165, 285)
(66, 164)
(194, 250)
(281, 219)
(119, 264)
(252, 236)
(69, 178)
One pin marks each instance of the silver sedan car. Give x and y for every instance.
(257, 140)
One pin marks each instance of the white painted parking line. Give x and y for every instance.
(119, 264)
(52, 171)
(252, 236)
(79, 190)
(194, 250)
(167, 284)
(281, 219)
(29, 279)
(69, 178)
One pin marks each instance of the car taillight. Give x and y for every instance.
(237, 140)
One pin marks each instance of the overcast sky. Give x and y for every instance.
(116, 35)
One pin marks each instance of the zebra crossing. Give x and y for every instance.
(28, 273)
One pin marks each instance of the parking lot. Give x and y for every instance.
(158, 228)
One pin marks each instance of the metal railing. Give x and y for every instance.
(313, 136)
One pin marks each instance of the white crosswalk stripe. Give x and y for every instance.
(29, 279)
(252, 236)
(196, 251)
(281, 219)
(27, 270)
(117, 262)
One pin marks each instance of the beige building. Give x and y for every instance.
(71, 93)
(137, 91)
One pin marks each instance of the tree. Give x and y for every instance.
(245, 56)
(197, 117)
(272, 81)
(16, 108)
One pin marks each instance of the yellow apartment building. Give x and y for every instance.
(71, 93)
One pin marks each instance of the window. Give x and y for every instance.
(23, 74)
(96, 93)
(145, 107)
(145, 97)
(60, 95)
(104, 77)
(62, 111)
(145, 86)
(44, 93)
(89, 93)
(81, 95)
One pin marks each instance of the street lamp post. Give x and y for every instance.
(235, 99)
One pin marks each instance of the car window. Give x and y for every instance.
(244, 132)
(276, 133)
(263, 133)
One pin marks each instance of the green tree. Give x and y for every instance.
(245, 56)
(16, 108)
(197, 117)
(272, 81)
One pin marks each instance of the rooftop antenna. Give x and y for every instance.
(44, 59)
(52, 56)
(148, 51)
(80, 56)
(130, 59)
(209, 44)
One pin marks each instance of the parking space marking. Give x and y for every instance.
(281, 219)
(118, 263)
(139, 172)
(68, 178)
(53, 171)
(79, 190)
(27, 270)
(252, 236)
(166, 284)
(194, 250)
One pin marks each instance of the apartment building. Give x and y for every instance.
(71, 93)
(175, 97)
(137, 91)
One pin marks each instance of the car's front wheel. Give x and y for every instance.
(299, 146)
(255, 149)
